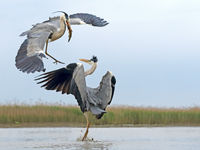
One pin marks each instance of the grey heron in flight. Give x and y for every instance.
(71, 80)
(30, 53)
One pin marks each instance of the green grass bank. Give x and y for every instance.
(119, 116)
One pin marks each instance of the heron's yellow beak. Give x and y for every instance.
(69, 30)
(85, 60)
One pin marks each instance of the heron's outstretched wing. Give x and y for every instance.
(84, 18)
(69, 80)
(105, 91)
(30, 53)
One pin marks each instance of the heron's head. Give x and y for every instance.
(66, 16)
(66, 19)
(91, 61)
(64, 13)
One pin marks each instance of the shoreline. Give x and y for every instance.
(67, 125)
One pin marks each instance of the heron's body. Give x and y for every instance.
(60, 31)
(30, 54)
(71, 80)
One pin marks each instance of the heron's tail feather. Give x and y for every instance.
(97, 111)
(99, 116)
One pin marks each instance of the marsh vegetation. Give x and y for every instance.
(119, 116)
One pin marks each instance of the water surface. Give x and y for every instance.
(156, 138)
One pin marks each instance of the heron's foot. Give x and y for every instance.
(57, 61)
(85, 135)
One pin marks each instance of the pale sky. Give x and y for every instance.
(152, 48)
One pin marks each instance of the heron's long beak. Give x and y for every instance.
(69, 30)
(85, 60)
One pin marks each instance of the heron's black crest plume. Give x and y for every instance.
(66, 15)
(94, 59)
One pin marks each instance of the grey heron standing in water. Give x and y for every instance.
(30, 53)
(71, 80)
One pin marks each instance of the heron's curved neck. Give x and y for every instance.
(62, 22)
(91, 70)
(62, 18)
(60, 31)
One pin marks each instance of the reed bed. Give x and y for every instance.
(48, 115)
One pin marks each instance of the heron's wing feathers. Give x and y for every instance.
(84, 18)
(49, 25)
(58, 80)
(69, 80)
(30, 53)
(29, 56)
(30, 63)
(113, 82)
(105, 91)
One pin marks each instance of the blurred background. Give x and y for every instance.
(152, 48)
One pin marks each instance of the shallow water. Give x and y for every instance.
(158, 138)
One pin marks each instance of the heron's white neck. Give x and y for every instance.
(60, 31)
(62, 23)
(62, 18)
(91, 70)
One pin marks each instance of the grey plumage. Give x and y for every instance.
(84, 18)
(30, 53)
(71, 80)
(29, 63)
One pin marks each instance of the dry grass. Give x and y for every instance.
(47, 115)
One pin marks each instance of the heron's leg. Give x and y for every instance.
(56, 61)
(88, 125)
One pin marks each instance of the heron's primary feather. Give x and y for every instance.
(69, 80)
(113, 82)
(29, 61)
(84, 18)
